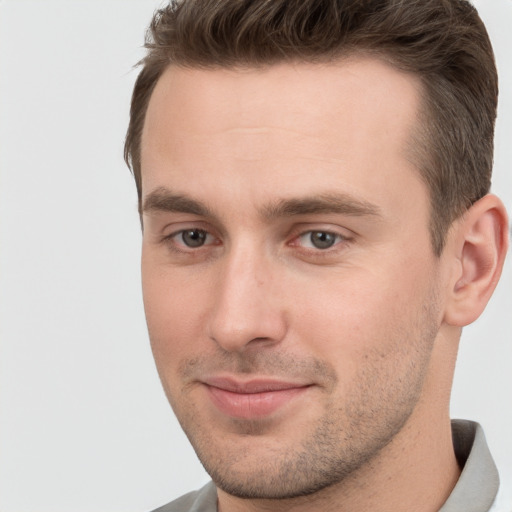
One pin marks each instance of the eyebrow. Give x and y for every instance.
(342, 204)
(164, 200)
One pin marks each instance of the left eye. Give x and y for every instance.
(319, 239)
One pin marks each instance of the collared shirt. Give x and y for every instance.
(475, 491)
(478, 483)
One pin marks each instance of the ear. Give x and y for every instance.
(480, 242)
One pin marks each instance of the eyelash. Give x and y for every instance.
(340, 239)
(182, 247)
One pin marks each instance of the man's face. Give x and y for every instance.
(290, 287)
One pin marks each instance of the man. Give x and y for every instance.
(313, 185)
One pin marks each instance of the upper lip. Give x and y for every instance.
(254, 385)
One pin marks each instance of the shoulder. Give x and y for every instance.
(203, 500)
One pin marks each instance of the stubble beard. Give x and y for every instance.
(350, 434)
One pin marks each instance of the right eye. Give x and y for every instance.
(192, 238)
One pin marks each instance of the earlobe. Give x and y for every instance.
(480, 246)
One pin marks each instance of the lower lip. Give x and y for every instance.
(252, 405)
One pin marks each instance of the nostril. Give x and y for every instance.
(248, 334)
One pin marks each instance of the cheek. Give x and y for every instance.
(173, 314)
(362, 311)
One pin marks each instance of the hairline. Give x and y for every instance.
(419, 147)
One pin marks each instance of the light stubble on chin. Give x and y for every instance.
(247, 461)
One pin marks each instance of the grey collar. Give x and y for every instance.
(479, 481)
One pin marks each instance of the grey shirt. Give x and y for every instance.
(475, 491)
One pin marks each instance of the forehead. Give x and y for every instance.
(209, 99)
(286, 125)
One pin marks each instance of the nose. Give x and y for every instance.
(247, 310)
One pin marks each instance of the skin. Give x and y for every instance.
(255, 161)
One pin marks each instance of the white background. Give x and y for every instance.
(84, 425)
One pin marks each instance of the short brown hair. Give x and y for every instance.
(444, 42)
